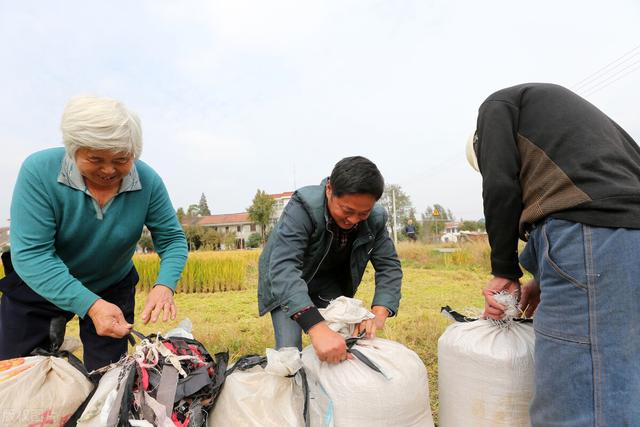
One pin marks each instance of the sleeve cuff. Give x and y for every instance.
(173, 290)
(391, 312)
(308, 318)
(508, 269)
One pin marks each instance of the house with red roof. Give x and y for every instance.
(239, 223)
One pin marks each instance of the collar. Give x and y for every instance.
(71, 177)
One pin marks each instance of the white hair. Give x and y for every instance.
(100, 124)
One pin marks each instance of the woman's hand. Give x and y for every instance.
(159, 300)
(108, 320)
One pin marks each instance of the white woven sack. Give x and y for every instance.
(360, 396)
(351, 394)
(261, 397)
(485, 374)
(40, 390)
(97, 410)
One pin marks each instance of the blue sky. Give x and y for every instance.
(239, 95)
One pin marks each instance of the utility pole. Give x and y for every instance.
(395, 233)
(436, 214)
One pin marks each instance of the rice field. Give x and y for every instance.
(206, 271)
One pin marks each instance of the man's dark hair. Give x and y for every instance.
(356, 175)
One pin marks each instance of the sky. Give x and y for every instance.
(238, 95)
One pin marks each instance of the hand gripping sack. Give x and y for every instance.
(263, 392)
(384, 384)
(485, 373)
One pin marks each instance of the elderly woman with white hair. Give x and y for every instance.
(77, 214)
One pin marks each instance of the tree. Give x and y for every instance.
(211, 239)
(180, 214)
(193, 210)
(229, 240)
(433, 224)
(194, 234)
(254, 240)
(145, 243)
(472, 226)
(403, 204)
(261, 211)
(403, 201)
(203, 207)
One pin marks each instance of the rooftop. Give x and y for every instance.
(221, 219)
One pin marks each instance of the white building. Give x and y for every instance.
(240, 223)
(281, 201)
(451, 232)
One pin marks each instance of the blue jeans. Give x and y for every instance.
(587, 325)
(288, 332)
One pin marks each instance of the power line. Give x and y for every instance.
(602, 84)
(604, 79)
(606, 69)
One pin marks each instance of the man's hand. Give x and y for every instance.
(330, 346)
(496, 285)
(375, 324)
(108, 319)
(159, 300)
(529, 298)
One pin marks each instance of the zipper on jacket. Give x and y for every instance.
(353, 248)
(323, 256)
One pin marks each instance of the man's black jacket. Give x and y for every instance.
(543, 151)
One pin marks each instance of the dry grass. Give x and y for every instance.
(472, 255)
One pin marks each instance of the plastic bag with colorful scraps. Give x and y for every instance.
(169, 382)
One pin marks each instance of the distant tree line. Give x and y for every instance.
(429, 224)
(207, 238)
(432, 221)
